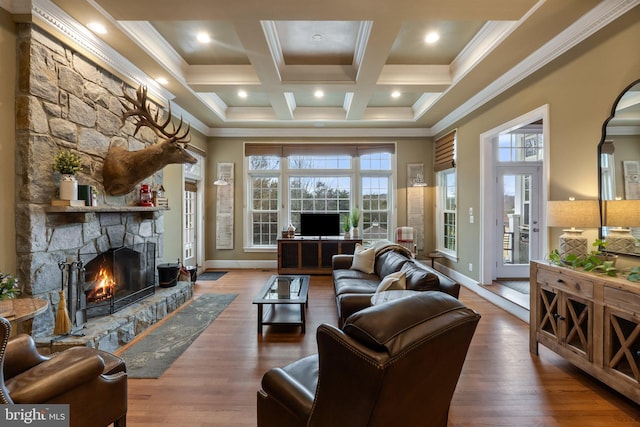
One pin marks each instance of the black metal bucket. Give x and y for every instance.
(168, 274)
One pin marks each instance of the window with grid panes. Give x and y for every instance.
(264, 180)
(282, 188)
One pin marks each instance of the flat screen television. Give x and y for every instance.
(319, 224)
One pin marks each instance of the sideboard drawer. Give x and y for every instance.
(566, 283)
(618, 298)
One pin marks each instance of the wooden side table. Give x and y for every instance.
(22, 313)
(434, 256)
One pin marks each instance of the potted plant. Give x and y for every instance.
(599, 251)
(8, 290)
(355, 221)
(346, 226)
(67, 164)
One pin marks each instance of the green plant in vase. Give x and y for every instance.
(355, 218)
(67, 164)
(346, 227)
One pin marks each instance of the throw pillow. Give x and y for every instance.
(363, 259)
(393, 281)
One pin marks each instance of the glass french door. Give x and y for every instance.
(190, 225)
(517, 219)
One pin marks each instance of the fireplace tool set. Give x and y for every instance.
(72, 314)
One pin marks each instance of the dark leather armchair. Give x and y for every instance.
(92, 382)
(394, 364)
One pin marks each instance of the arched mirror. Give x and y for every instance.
(619, 173)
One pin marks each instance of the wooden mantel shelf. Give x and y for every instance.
(104, 208)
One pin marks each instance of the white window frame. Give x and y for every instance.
(283, 193)
(248, 223)
(441, 195)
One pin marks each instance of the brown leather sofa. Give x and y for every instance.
(393, 364)
(354, 289)
(91, 381)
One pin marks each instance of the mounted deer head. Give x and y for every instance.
(124, 169)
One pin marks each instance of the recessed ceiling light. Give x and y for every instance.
(97, 27)
(318, 94)
(432, 37)
(203, 38)
(395, 94)
(162, 80)
(242, 94)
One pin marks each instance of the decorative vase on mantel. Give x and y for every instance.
(68, 187)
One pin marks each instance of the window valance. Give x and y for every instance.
(445, 150)
(315, 149)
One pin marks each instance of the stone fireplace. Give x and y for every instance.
(66, 102)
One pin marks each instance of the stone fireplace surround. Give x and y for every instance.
(66, 102)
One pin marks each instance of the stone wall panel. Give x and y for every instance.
(81, 113)
(64, 101)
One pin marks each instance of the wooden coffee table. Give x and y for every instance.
(286, 298)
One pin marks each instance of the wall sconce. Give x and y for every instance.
(619, 214)
(419, 181)
(573, 213)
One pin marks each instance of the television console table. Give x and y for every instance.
(592, 320)
(311, 255)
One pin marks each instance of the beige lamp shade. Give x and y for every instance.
(573, 213)
(619, 214)
(622, 213)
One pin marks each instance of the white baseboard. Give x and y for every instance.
(240, 264)
(508, 306)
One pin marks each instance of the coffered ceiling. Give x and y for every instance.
(265, 60)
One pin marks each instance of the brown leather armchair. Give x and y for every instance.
(92, 382)
(394, 364)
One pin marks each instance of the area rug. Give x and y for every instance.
(154, 353)
(211, 275)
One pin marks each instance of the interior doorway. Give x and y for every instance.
(514, 178)
(192, 213)
(190, 228)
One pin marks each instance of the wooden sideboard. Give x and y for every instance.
(591, 320)
(308, 255)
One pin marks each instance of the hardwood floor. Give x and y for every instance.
(214, 383)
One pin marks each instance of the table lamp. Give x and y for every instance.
(573, 213)
(619, 214)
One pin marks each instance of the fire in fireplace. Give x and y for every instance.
(117, 278)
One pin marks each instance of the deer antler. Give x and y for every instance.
(143, 117)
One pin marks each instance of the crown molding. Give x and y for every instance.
(483, 43)
(147, 38)
(597, 18)
(321, 133)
